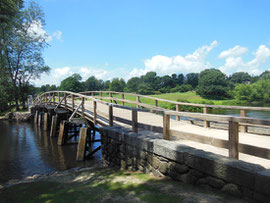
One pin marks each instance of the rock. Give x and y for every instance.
(190, 200)
(163, 167)
(1, 187)
(231, 189)
(155, 162)
(9, 115)
(201, 181)
(196, 173)
(188, 178)
(214, 182)
(181, 168)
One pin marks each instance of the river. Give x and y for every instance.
(26, 150)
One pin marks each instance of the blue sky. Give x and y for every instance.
(128, 38)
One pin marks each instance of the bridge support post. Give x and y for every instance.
(206, 123)
(82, 145)
(111, 95)
(243, 128)
(166, 126)
(39, 120)
(233, 140)
(95, 112)
(138, 101)
(62, 133)
(45, 121)
(36, 117)
(110, 115)
(53, 126)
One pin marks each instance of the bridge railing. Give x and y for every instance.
(69, 100)
(123, 98)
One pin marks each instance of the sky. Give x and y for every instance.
(127, 38)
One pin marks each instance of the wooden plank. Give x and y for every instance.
(53, 126)
(206, 123)
(233, 140)
(83, 109)
(135, 121)
(65, 99)
(243, 128)
(81, 150)
(73, 102)
(178, 109)
(53, 98)
(110, 115)
(166, 127)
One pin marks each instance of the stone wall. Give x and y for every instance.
(148, 152)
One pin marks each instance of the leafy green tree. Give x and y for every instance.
(117, 85)
(180, 79)
(72, 84)
(240, 77)
(192, 79)
(212, 84)
(21, 53)
(107, 85)
(93, 84)
(133, 84)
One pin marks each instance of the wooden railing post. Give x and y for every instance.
(111, 115)
(95, 112)
(73, 102)
(233, 140)
(53, 98)
(100, 94)
(166, 126)
(243, 128)
(178, 109)
(111, 95)
(65, 95)
(138, 101)
(59, 97)
(46, 98)
(93, 94)
(83, 109)
(135, 121)
(156, 102)
(123, 97)
(206, 123)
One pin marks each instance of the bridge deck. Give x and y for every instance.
(157, 120)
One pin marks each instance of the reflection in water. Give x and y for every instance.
(26, 149)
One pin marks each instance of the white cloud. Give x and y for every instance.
(235, 63)
(36, 30)
(98, 73)
(194, 62)
(233, 52)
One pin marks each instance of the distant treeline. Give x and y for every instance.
(209, 83)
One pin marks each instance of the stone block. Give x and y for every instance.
(214, 182)
(181, 168)
(262, 182)
(163, 167)
(188, 178)
(155, 162)
(231, 189)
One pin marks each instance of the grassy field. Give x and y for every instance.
(108, 185)
(188, 97)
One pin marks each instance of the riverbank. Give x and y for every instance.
(18, 116)
(100, 184)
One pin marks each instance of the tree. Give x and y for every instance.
(22, 48)
(93, 84)
(192, 79)
(133, 84)
(72, 83)
(240, 77)
(117, 85)
(212, 84)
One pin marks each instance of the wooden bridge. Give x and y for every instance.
(107, 108)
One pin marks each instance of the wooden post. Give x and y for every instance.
(62, 131)
(100, 94)
(53, 98)
(39, 120)
(82, 145)
(95, 112)
(166, 126)
(46, 98)
(206, 123)
(138, 101)
(110, 115)
(111, 95)
(233, 140)
(53, 126)
(59, 97)
(135, 121)
(36, 117)
(45, 121)
(83, 109)
(123, 97)
(93, 94)
(73, 103)
(243, 128)
(65, 95)
(178, 109)
(156, 102)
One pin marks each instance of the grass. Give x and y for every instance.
(13, 109)
(106, 185)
